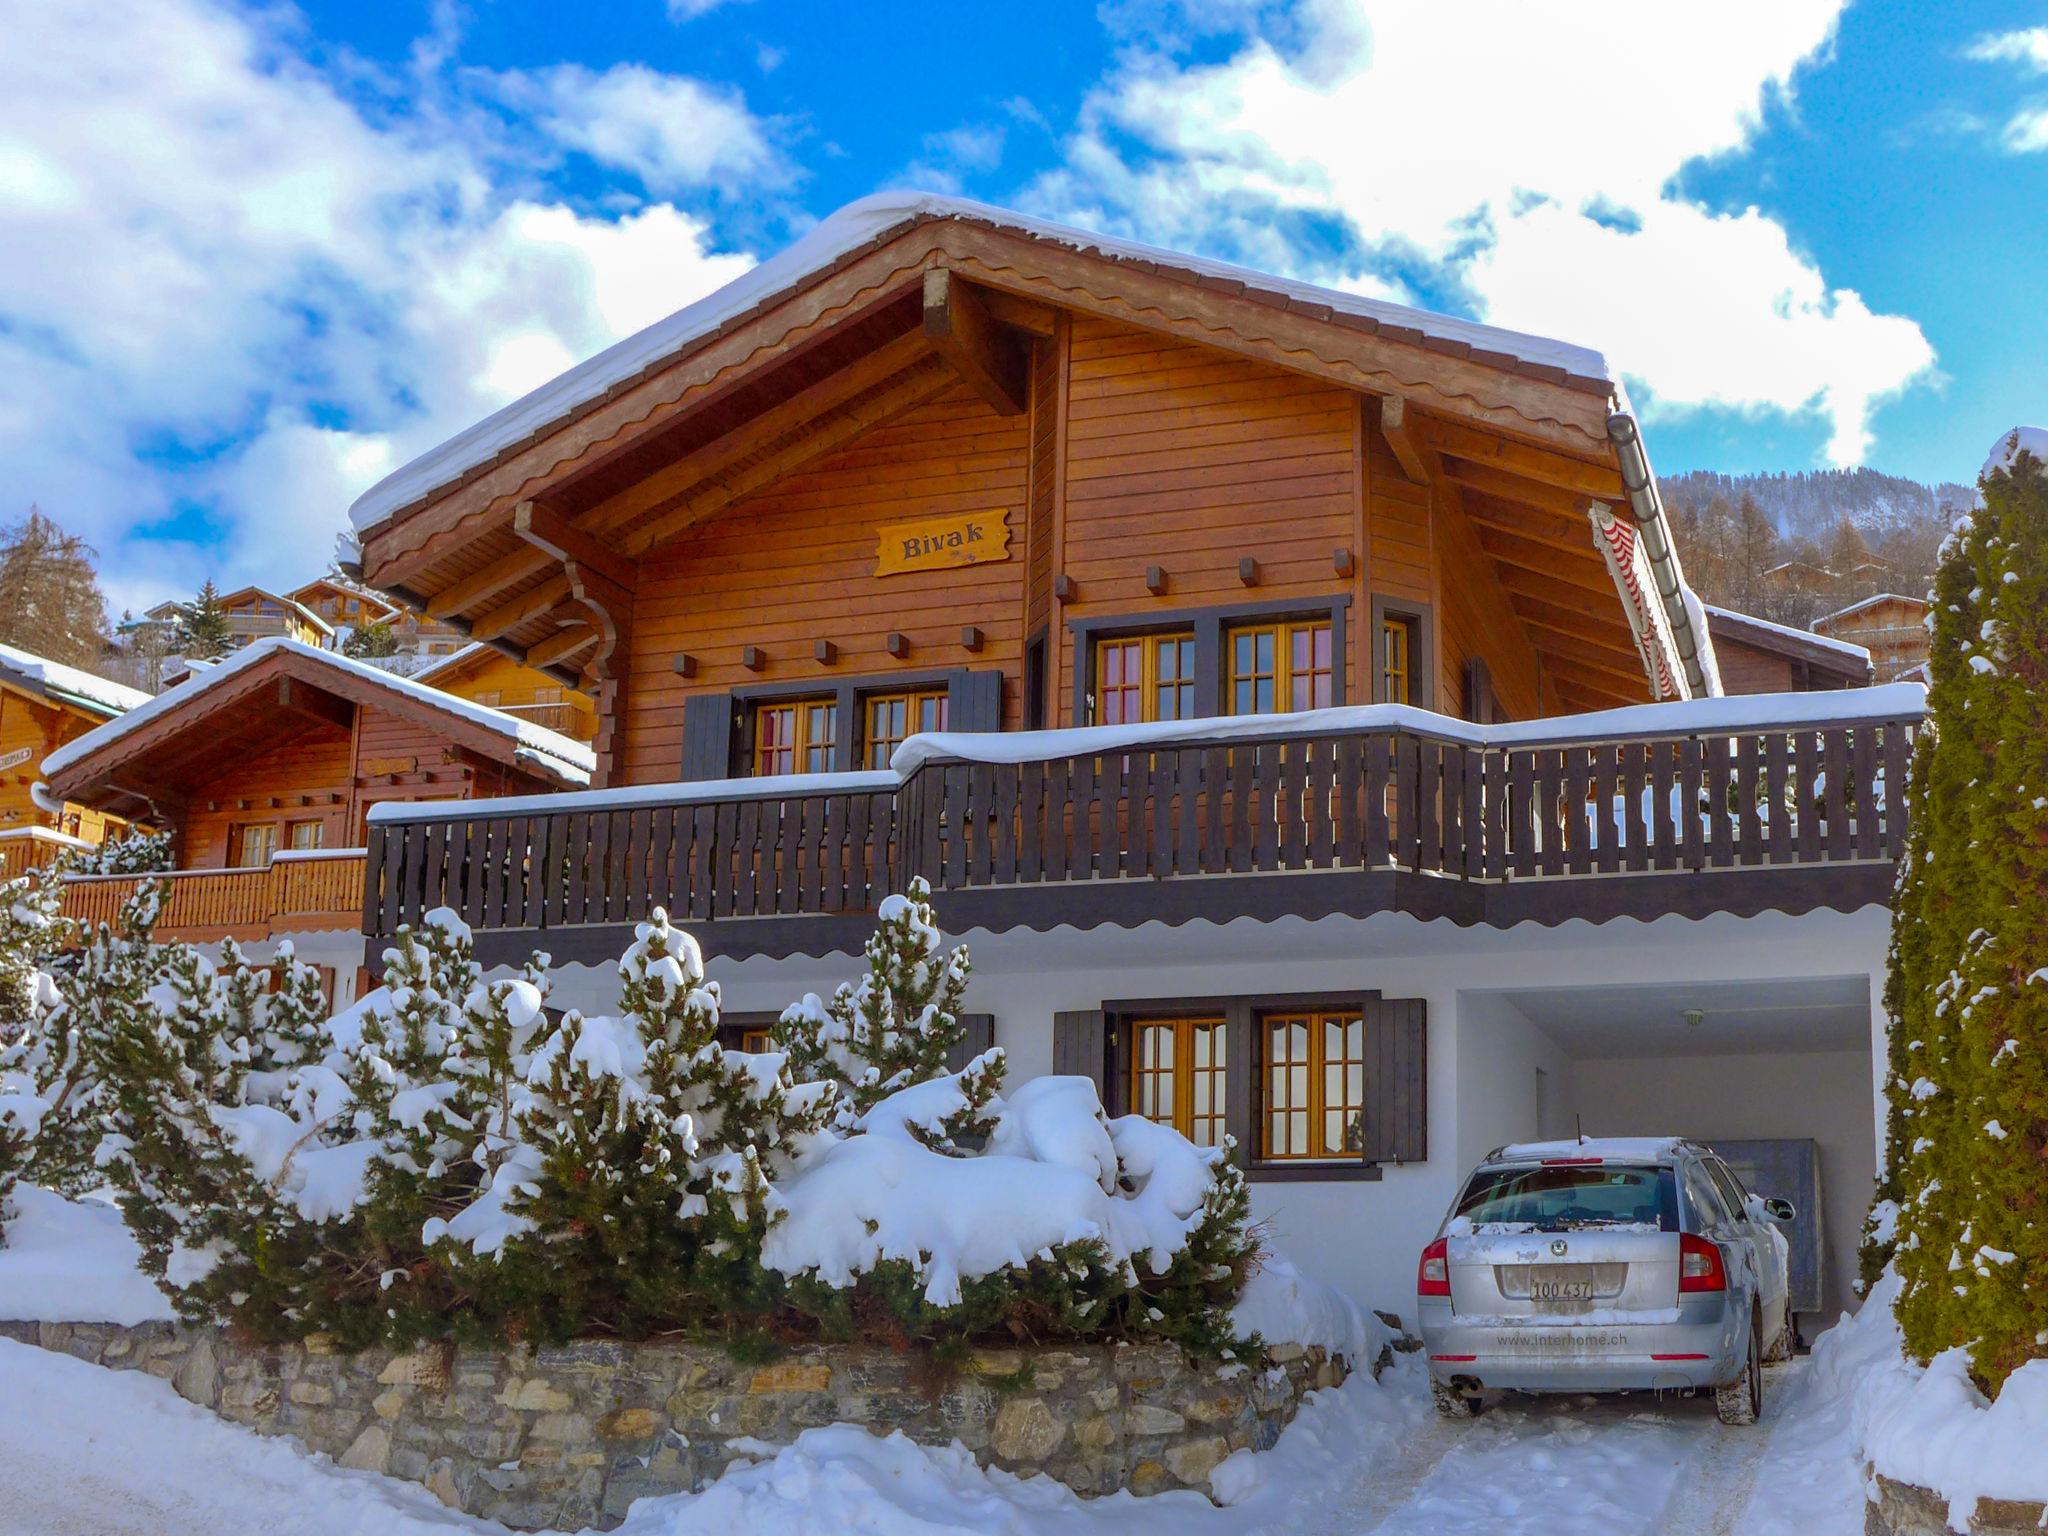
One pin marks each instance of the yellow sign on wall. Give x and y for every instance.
(936, 543)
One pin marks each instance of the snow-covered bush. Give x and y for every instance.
(139, 853)
(445, 1158)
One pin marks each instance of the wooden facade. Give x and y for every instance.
(488, 677)
(36, 718)
(968, 477)
(1758, 657)
(1891, 626)
(266, 768)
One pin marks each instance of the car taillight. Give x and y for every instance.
(1699, 1265)
(1433, 1278)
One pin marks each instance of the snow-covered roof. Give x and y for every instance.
(361, 594)
(557, 756)
(69, 684)
(296, 606)
(2011, 444)
(1848, 650)
(869, 220)
(451, 661)
(1872, 602)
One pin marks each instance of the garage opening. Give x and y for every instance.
(1775, 1075)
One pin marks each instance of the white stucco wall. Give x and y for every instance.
(1823, 1095)
(1365, 1236)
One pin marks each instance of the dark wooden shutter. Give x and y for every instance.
(1080, 1047)
(977, 1034)
(1481, 706)
(1396, 1080)
(707, 736)
(974, 700)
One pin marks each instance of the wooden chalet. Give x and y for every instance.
(340, 605)
(1295, 698)
(1757, 656)
(1891, 626)
(43, 705)
(266, 765)
(486, 676)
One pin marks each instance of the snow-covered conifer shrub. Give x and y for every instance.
(139, 853)
(29, 923)
(1968, 980)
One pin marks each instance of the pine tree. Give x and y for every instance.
(371, 641)
(204, 630)
(50, 600)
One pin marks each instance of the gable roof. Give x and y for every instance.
(67, 685)
(361, 594)
(544, 753)
(1871, 602)
(229, 598)
(1837, 656)
(877, 219)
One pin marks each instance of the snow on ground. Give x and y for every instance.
(66, 1262)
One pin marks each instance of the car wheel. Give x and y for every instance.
(1741, 1401)
(1781, 1346)
(1453, 1405)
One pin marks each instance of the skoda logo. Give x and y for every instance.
(1557, 1247)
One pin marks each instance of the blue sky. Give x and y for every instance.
(251, 259)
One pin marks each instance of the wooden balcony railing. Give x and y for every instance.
(293, 893)
(577, 724)
(25, 848)
(1381, 807)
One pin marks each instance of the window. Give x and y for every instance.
(756, 1038)
(891, 717)
(1315, 1084)
(1552, 1198)
(1145, 677)
(1177, 1068)
(1280, 667)
(302, 835)
(1397, 650)
(252, 844)
(547, 695)
(794, 737)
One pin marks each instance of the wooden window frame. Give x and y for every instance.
(237, 830)
(1149, 644)
(848, 694)
(1316, 1110)
(1244, 1071)
(913, 699)
(803, 710)
(1421, 649)
(319, 826)
(1181, 1097)
(1283, 632)
(1210, 626)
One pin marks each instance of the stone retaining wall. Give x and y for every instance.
(1904, 1509)
(570, 1437)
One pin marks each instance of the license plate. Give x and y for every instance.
(1560, 1284)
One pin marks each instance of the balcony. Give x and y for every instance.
(1737, 805)
(25, 848)
(577, 723)
(294, 893)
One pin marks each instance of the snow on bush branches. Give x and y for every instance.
(448, 1158)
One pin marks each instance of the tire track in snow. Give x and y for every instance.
(1715, 1493)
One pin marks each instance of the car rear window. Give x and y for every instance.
(1553, 1198)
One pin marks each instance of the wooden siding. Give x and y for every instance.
(789, 567)
(1751, 669)
(39, 728)
(297, 780)
(502, 683)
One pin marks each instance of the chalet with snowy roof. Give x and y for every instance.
(43, 705)
(341, 606)
(1294, 699)
(1891, 626)
(486, 676)
(266, 766)
(1757, 656)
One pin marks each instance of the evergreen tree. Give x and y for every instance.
(369, 641)
(1968, 1083)
(50, 600)
(204, 630)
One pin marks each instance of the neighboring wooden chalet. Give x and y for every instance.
(255, 614)
(43, 705)
(267, 765)
(1891, 626)
(485, 676)
(1756, 656)
(341, 606)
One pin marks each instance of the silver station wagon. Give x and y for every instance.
(1617, 1265)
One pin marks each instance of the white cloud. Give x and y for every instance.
(2026, 131)
(233, 297)
(1518, 155)
(669, 131)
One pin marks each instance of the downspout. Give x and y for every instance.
(1655, 533)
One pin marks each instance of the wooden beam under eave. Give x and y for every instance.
(561, 645)
(962, 331)
(527, 605)
(1588, 572)
(915, 385)
(562, 540)
(1630, 689)
(1395, 429)
(1543, 465)
(294, 696)
(694, 471)
(1512, 487)
(506, 571)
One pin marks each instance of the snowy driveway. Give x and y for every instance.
(88, 1452)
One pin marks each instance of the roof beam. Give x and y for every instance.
(1394, 427)
(530, 604)
(1540, 464)
(561, 645)
(487, 583)
(1513, 487)
(962, 331)
(562, 540)
(1588, 573)
(295, 697)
